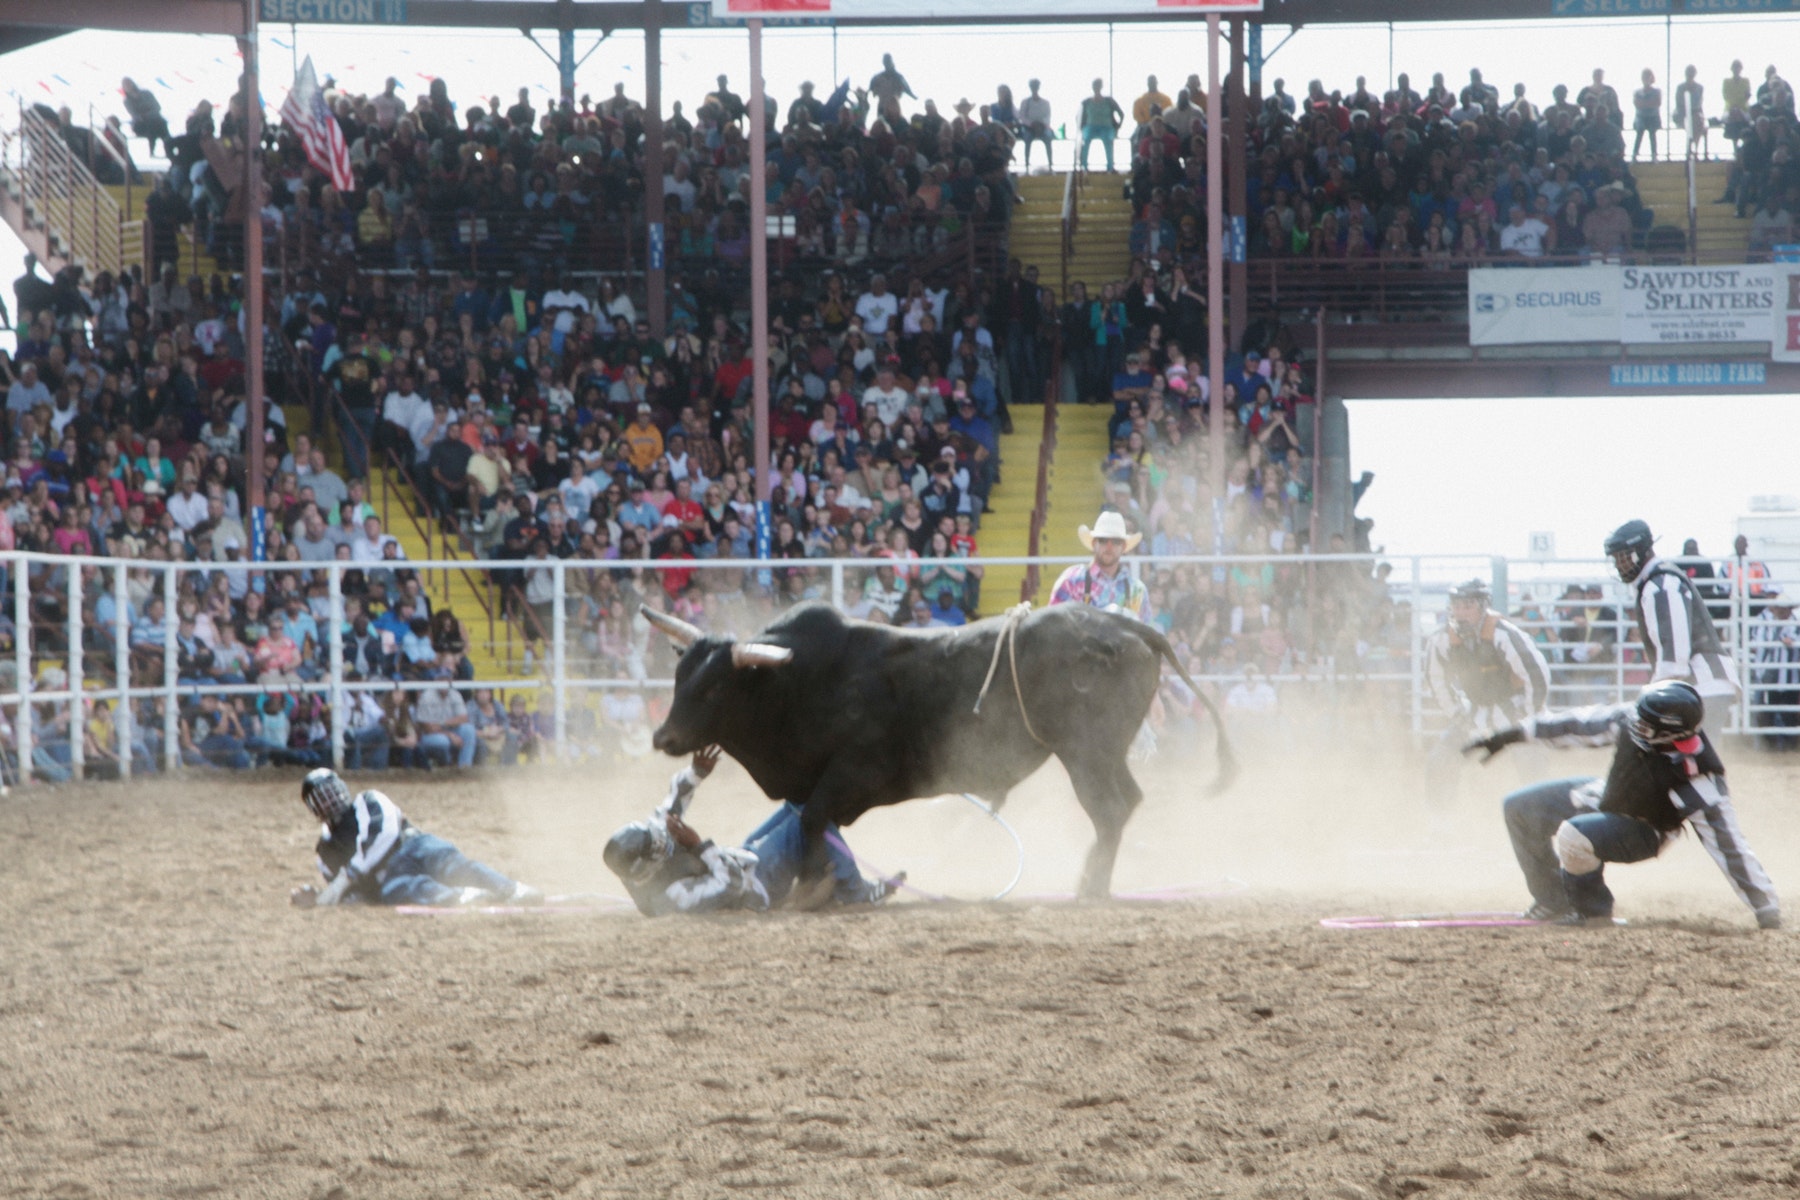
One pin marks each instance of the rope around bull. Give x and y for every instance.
(1009, 639)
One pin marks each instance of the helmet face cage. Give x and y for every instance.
(634, 852)
(1475, 590)
(325, 793)
(1630, 547)
(1667, 713)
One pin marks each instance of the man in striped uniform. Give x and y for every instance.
(669, 868)
(369, 853)
(1678, 634)
(1664, 774)
(1485, 673)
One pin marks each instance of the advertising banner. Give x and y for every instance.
(1676, 305)
(998, 10)
(1784, 345)
(1524, 306)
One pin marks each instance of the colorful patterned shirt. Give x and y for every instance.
(1086, 584)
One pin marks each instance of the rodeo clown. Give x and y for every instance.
(1664, 773)
(1108, 581)
(1678, 634)
(1485, 673)
(669, 868)
(369, 853)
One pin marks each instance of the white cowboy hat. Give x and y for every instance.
(1109, 524)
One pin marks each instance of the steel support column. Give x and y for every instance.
(656, 286)
(1237, 180)
(759, 269)
(253, 279)
(1215, 271)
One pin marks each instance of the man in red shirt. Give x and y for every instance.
(689, 517)
(518, 444)
(731, 374)
(675, 579)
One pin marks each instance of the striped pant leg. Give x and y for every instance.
(1718, 830)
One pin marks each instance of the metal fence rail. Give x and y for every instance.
(1576, 610)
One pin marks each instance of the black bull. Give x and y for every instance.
(839, 716)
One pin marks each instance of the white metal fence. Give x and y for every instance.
(93, 673)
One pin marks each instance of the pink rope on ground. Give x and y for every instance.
(1469, 920)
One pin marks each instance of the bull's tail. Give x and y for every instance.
(1228, 763)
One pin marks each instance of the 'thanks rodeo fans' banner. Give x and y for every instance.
(1679, 305)
(996, 9)
(1637, 306)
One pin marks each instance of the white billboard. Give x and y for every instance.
(998, 10)
(1672, 306)
(1529, 305)
(1786, 344)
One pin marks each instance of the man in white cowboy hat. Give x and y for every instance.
(1106, 582)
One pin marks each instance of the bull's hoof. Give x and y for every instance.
(811, 896)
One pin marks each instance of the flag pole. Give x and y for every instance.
(253, 282)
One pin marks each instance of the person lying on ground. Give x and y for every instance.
(667, 867)
(369, 853)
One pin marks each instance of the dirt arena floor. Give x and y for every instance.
(170, 1026)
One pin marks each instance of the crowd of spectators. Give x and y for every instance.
(493, 185)
(1441, 177)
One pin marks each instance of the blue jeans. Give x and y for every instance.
(366, 749)
(437, 746)
(1104, 134)
(429, 870)
(1534, 818)
(358, 435)
(780, 848)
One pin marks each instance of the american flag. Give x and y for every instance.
(305, 112)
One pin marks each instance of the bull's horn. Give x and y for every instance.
(675, 627)
(759, 654)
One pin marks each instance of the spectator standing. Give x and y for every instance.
(1101, 118)
(1690, 109)
(1646, 105)
(877, 307)
(1151, 104)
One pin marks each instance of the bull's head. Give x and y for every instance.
(707, 682)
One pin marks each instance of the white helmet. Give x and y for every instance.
(326, 795)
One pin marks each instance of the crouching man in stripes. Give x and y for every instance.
(1665, 773)
(1485, 673)
(369, 853)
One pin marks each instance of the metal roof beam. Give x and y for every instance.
(132, 16)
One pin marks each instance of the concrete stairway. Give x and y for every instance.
(1721, 236)
(1102, 249)
(195, 260)
(1075, 492)
(462, 591)
(1006, 531)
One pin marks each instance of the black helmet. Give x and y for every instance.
(1667, 712)
(326, 795)
(1469, 589)
(633, 852)
(1629, 546)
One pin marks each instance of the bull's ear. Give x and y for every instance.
(759, 654)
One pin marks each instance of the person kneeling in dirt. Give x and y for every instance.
(669, 868)
(1664, 773)
(369, 853)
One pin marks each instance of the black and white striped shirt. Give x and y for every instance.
(1678, 633)
(1684, 783)
(362, 840)
(1497, 677)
